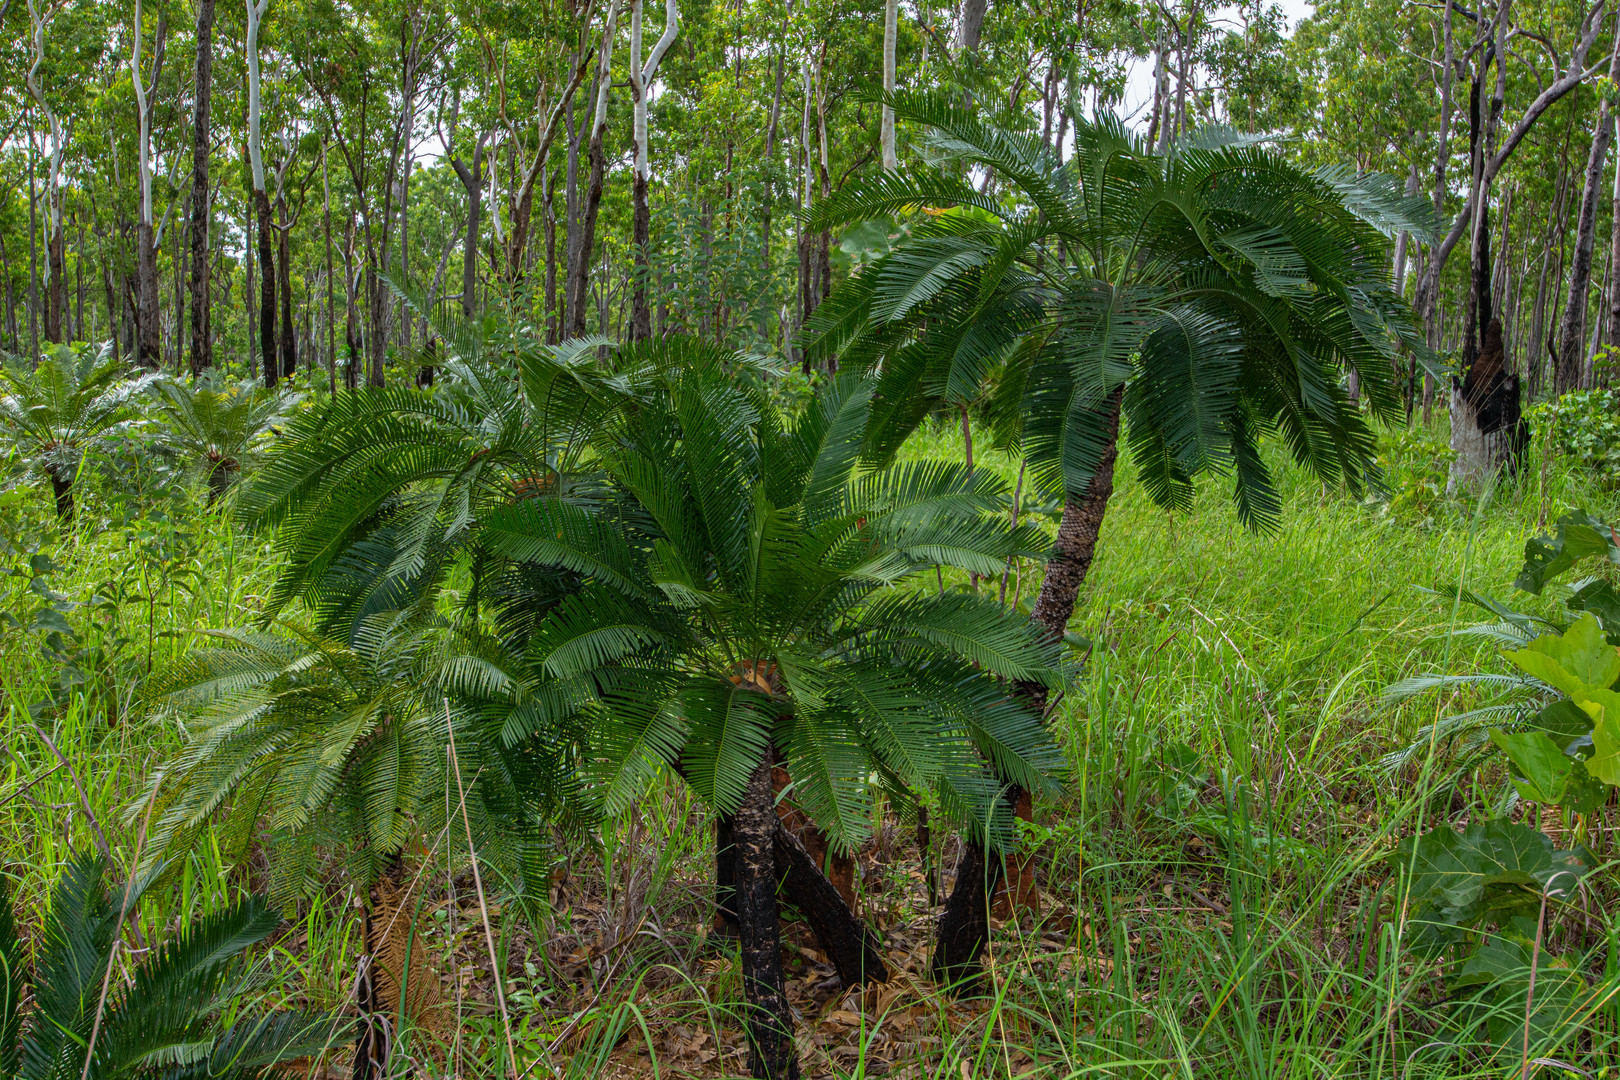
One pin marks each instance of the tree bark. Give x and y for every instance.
(473, 181)
(768, 1020)
(1487, 430)
(267, 290)
(148, 349)
(1572, 328)
(579, 275)
(202, 350)
(891, 29)
(843, 937)
(288, 344)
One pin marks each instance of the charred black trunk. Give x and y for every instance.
(964, 925)
(843, 937)
(62, 488)
(846, 940)
(767, 1017)
(725, 877)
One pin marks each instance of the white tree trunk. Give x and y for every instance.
(891, 19)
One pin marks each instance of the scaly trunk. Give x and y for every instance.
(267, 290)
(845, 939)
(964, 925)
(767, 1017)
(62, 488)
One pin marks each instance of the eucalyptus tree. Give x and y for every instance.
(148, 347)
(1206, 298)
(261, 196)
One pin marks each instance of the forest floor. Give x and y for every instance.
(1215, 896)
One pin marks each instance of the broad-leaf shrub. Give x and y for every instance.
(1584, 426)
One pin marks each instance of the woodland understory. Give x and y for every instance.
(809, 538)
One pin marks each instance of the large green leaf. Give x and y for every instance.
(1543, 769)
(1575, 662)
(1490, 870)
(1579, 536)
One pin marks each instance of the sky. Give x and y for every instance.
(1139, 75)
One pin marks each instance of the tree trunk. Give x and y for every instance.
(579, 269)
(288, 343)
(641, 241)
(55, 263)
(891, 21)
(267, 290)
(971, 26)
(842, 936)
(202, 350)
(964, 925)
(148, 353)
(1614, 263)
(1572, 328)
(1487, 431)
(62, 488)
(472, 180)
(768, 1020)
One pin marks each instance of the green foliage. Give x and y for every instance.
(1209, 295)
(218, 430)
(62, 408)
(1413, 466)
(1583, 425)
(750, 593)
(166, 1016)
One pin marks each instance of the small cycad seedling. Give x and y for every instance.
(164, 1019)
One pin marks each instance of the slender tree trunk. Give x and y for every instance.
(267, 290)
(768, 1019)
(56, 267)
(331, 307)
(891, 29)
(148, 345)
(1614, 261)
(202, 348)
(1572, 328)
(288, 343)
(579, 282)
(11, 299)
(964, 925)
(472, 180)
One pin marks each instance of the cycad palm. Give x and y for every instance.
(1208, 297)
(162, 1020)
(59, 410)
(220, 431)
(339, 745)
(748, 597)
(374, 496)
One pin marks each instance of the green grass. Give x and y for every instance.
(1235, 918)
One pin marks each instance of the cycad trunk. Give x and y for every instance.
(964, 925)
(767, 1017)
(62, 488)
